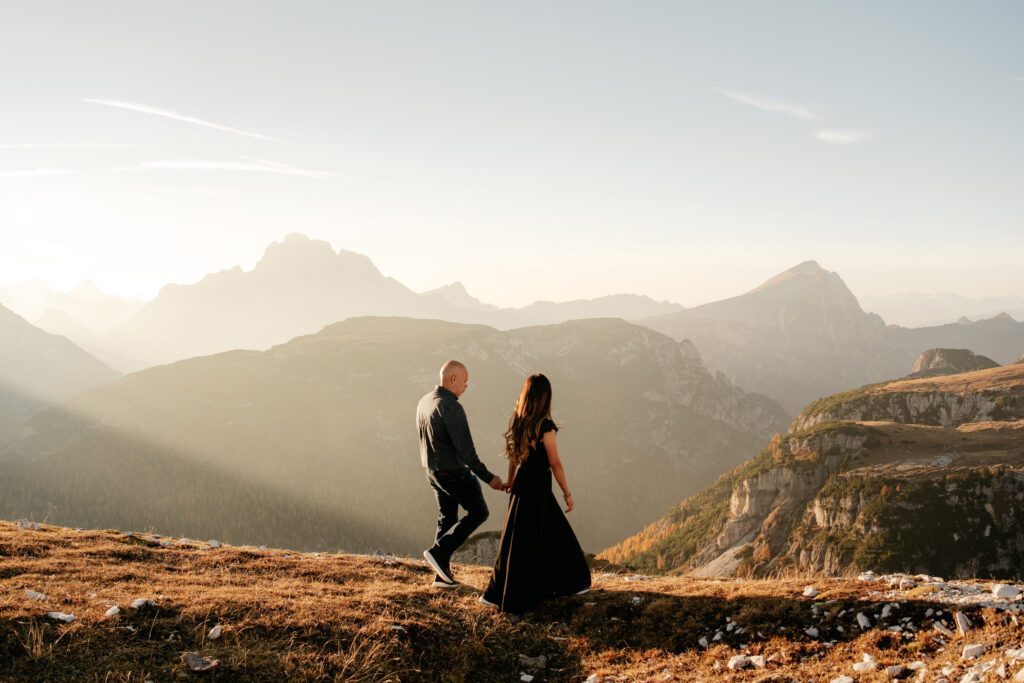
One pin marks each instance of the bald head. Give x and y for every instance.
(454, 377)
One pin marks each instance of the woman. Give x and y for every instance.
(538, 556)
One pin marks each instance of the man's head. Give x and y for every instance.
(454, 377)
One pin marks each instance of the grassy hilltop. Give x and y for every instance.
(290, 616)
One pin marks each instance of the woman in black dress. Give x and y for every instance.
(539, 556)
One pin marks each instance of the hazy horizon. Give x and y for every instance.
(531, 152)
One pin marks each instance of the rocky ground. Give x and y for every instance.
(113, 606)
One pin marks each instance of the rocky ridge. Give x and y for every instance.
(880, 478)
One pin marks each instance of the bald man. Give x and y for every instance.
(447, 453)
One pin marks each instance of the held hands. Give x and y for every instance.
(497, 484)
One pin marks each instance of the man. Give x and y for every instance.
(447, 453)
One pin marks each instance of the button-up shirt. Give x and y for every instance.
(445, 441)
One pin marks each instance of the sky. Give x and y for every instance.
(531, 150)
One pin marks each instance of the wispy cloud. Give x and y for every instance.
(67, 145)
(769, 103)
(260, 165)
(846, 136)
(175, 190)
(146, 109)
(36, 172)
(1018, 78)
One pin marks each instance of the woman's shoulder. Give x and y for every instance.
(548, 425)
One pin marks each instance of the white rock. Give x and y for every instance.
(907, 584)
(718, 636)
(27, 525)
(813, 632)
(886, 611)
(703, 642)
(894, 670)
(972, 677)
(1001, 671)
(142, 602)
(943, 630)
(810, 592)
(861, 667)
(525, 677)
(1020, 676)
(214, 544)
(112, 612)
(842, 679)
(973, 651)
(214, 633)
(863, 621)
(963, 624)
(62, 616)
(34, 595)
(757, 661)
(914, 666)
(1003, 591)
(738, 662)
(593, 678)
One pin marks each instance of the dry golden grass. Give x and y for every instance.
(338, 617)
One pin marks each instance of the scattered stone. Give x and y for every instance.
(397, 627)
(907, 584)
(863, 621)
(525, 677)
(963, 624)
(130, 628)
(62, 616)
(538, 662)
(703, 642)
(142, 602)
(914, 666)
(972, 677)
(1019, 677)
(593, 678)
(738, 662)
(34, 595)
(973, 651)
(196, 662)
(214, 633)
(813, 632)
(886, 611)
(894, 671)
(26, 525)
(112, 612)
(810, 592)
(867, 663)
(1004, 591)
(943, 630)
(214, 544)
(842, 679)
(758, 661)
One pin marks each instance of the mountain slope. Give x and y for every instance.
(798, 336)
(322, 428)
(39, 369)
(876, 478)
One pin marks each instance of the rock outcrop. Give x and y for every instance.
(921, 475)
(936, 362)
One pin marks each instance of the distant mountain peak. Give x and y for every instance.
(1002, 316)
(802, 271)
(299, 254)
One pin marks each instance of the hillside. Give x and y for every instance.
(279, 615)
(312, 443)
(876, 478)
(38, 370)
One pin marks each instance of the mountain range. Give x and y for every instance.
(311, 442)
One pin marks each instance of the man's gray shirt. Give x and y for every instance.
(445, 441)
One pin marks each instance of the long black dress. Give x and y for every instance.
(539, 556)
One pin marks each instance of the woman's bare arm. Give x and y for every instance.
(551, 446)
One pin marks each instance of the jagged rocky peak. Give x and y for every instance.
(1020, 360)
(299, 254)
(457, 295)
(936, 362)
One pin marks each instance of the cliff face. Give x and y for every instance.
(922, 476)
(934, 362)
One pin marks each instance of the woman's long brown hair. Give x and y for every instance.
(532, 408)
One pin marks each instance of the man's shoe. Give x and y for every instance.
(485, 601)
(441, 583)
(443, 570)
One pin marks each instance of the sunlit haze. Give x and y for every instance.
(686, 151)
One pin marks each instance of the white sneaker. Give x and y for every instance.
(484, 601)
(441, 571)
(441, 583)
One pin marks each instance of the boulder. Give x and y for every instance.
(937, 362)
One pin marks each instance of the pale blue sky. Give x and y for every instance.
(532, 150)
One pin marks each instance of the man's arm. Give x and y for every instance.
(458, 431)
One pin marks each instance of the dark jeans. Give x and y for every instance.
(458, 488)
